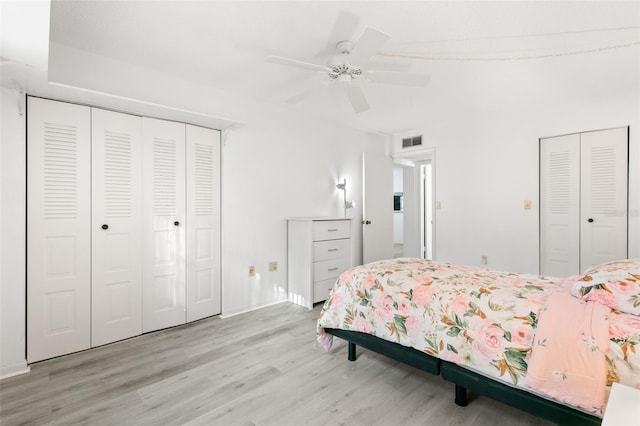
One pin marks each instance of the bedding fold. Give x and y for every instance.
(568, 356)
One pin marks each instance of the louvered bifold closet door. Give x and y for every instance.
(116, 226)
(163, 231)
(58, 228)
(203, 222)
(603, 216)
(560, 205)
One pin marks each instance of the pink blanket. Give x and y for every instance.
(568, 357)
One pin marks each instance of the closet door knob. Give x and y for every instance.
(590, 220)
(176, 223)
(105, 226)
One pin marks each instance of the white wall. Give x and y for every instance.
(486, 168)
(486, 161)
(12, 235)
(279, 165)
(276, 170)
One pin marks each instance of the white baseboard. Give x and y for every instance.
(7, 371)
(244, 310)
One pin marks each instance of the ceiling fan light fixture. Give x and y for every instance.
(344, 78)
(338, 71)
(345, 73)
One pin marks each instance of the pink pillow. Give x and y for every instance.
(614, 284)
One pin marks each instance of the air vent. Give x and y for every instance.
(412, 141)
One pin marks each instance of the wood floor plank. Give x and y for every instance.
(258, 368)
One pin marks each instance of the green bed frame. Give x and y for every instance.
(465, 379)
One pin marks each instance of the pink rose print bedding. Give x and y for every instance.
(482, 319)
(614, 284)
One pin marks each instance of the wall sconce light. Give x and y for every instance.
(347, 204)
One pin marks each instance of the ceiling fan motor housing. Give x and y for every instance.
(344, 46)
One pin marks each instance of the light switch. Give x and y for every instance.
(527, 204)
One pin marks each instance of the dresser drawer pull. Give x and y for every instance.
(332, 249)
(332, 230)
(332, 269)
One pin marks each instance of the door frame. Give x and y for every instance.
(413, 207)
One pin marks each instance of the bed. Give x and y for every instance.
(500, 334)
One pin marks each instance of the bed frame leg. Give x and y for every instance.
(461, 396)
(352, 352)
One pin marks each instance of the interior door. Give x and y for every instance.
(203, 222)
(560, 205)
(583, 200)
(603, 210)
(377, 214)
(163, 238)
(58, 228)
(116, 226)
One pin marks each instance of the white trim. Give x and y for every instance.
(251, 309)
(16, 369)
(403, 162)
(420, 154)
(222, 122)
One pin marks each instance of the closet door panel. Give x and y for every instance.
(116, 226)
(560, 205)
(603, 218)
(203, 222)
(58, 229)
(163, 224)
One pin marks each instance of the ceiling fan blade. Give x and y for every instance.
(399, 79)
(388, 66)
(368, 45)
(343, 28)
(356, 97)
(296, 63)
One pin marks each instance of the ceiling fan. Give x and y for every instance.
(348, 68)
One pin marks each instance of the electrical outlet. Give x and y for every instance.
(252, 271)
(484, 259)
(273, 266)
(527, 204)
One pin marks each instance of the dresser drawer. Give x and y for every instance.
(330, 268)
(331, 249)
(321, 289)
(331, 229)
(318, 251)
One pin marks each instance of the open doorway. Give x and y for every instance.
(398, 211)
(414, 201)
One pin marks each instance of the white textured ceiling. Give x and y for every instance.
(478, 54)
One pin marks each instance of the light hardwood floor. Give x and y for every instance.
(258, 368)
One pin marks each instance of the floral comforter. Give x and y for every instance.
(481, 319)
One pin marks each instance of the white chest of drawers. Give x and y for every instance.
(319, 250)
